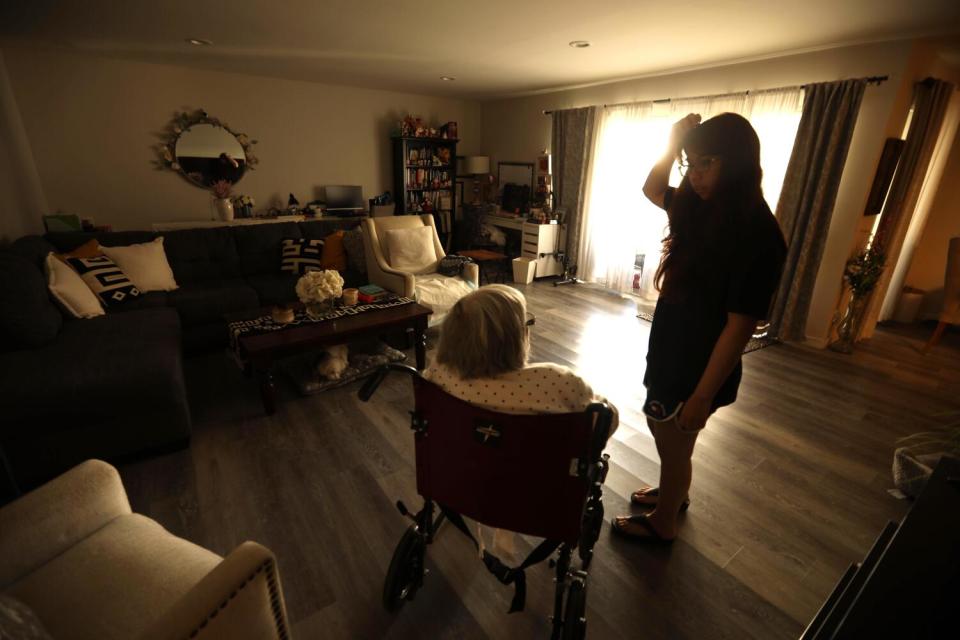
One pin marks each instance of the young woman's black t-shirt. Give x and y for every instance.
(738, 274)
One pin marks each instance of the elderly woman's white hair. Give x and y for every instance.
(485, 334)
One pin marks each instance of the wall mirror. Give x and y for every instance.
(205, 150)
(515, 184)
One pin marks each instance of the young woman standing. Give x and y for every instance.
(721, 265)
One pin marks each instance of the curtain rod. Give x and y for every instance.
(868, 80)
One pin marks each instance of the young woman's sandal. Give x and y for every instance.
(637, 498)
(650, 535)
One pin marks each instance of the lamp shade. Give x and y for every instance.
(474, 165)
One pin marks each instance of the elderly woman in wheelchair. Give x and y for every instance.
(512, 445)
(482, 359)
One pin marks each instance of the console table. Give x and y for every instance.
(243, 222)
(236, 222)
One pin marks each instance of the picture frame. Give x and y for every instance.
(544, 164)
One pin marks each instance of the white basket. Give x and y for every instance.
(524, 269)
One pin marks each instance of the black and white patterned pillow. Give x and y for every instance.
(105, 279)
(299, 255)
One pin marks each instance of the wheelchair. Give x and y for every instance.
(507, 471)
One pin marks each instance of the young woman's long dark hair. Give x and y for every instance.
(708, 226)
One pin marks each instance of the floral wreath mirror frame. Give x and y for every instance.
(182, 121)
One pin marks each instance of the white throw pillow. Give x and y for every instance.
(70, 290)
(412, 250)
(145, 264)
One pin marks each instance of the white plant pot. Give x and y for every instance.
(224, 208)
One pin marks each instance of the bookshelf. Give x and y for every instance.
(425, 180)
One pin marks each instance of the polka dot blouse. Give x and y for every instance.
(537, 388)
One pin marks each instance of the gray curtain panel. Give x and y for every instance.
(930, 101)
(572, 146)
(809, 192)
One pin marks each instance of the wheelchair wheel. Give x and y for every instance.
(406, 570)
(575, 615)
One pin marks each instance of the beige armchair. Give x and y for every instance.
(74, 553)
(430, 289)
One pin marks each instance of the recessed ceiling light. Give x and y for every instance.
(579, 44)
(199, 42)
(447, 78)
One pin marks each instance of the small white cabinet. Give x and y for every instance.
(539, 239)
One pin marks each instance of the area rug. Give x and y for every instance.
(755, 343)
(363, 358)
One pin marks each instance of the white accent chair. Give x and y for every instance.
(428, 287)
(72, 551)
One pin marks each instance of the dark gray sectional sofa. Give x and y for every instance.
(113, 386)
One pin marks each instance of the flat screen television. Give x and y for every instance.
(344, 199)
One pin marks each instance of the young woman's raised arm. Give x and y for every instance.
(658, 179)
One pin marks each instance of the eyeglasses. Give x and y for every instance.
(531, 319)
(700, 165)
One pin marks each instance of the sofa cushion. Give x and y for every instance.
(198, 255)
(29, 318)
(115, 583)
(208, 301)
(334, 256)
(116, 364)
(353, 247)
(145, 264)
(259, 245)
(33, 248)
(69, 290)
(152, 300)
(411, 250)
(274, 288)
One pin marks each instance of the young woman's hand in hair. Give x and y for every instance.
(657, 181)
(679, 130)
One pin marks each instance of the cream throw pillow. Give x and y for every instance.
(145, 264)
(412, 250)
(70, 290)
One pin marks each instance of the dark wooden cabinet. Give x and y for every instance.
(425, 179)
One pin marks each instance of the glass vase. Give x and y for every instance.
(317, 310)
(849, 326)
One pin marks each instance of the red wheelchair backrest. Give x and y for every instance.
(515, 472)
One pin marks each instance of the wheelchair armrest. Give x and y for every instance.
(370, 385)
(601, 429)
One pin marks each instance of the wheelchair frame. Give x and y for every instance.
(407, 567)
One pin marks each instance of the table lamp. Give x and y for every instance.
(475, 166)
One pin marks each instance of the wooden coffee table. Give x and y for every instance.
(260, 352)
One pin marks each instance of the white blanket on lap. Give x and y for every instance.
(440, 293)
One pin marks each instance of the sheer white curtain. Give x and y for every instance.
(620, 225)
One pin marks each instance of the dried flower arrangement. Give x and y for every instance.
(863, 271)
(319, 286)
(221, 189)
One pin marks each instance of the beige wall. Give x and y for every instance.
(516, 129)
(92, 124)
(930, 259)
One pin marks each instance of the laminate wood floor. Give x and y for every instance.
(790, 486)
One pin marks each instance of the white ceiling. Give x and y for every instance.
(492, 47)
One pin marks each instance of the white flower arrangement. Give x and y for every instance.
(319, 286)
